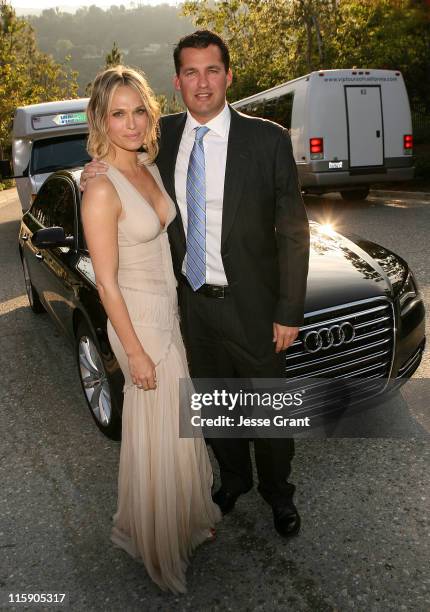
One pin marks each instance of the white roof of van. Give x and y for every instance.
(26, 126)
(313, 75)
(59, 106)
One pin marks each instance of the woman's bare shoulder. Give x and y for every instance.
(100, 184)
(102, 193)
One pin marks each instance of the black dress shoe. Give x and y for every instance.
(225, 500)
(286, 520)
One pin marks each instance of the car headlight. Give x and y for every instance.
(408, 293)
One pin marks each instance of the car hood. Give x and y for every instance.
(344, 270)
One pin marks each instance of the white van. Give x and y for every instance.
(45, 138)
(349, 128)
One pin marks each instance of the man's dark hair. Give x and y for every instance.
(201, 40)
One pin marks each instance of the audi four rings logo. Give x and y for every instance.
(326, 337)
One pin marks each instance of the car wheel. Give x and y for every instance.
(355, 194)
(99, 391)
(33, 297)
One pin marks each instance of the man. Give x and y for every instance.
(240, 245)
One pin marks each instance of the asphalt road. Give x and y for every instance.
(364, 543)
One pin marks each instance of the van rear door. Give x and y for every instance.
(365, 127)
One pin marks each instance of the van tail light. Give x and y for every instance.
(408, 144)
(316, 146)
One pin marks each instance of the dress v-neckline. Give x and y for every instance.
(163, 227)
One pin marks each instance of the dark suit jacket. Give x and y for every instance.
(265, 231)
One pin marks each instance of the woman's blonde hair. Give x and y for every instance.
(103, 89)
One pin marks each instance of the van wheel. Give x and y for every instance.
(33, 297)
(355, 194)
(99, 391)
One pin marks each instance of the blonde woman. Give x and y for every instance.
(164, 485)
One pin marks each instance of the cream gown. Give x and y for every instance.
(164, 507)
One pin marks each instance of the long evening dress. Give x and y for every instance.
(164, 506)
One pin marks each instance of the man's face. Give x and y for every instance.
(203, 82)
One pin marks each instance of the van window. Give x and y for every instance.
(58, 153)
(278, 109)
(254, 109)
(284, 109)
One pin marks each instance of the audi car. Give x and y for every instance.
(364, 314)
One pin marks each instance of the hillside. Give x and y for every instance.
(146, 35)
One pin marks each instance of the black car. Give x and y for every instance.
(364, 313)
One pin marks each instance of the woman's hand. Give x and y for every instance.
(142, 370)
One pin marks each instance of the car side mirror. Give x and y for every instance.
(5, 169)
(51, 237)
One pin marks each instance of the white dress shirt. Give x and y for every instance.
(215, 147)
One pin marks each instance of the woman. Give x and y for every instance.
(164, 485)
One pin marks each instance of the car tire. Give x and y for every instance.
(355, 194)
(33, 297)
(101, 394)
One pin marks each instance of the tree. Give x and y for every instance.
(63, 47)
(392, 34)
(272, 41)
(27, 76)
(114, 57)
(169, 105)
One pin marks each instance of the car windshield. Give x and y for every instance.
(59, 153)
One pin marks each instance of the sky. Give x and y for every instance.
(72, 5)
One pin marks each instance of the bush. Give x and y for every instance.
(422, 166)
(7, 184)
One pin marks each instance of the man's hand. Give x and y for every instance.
(284, 336)
(90, 170)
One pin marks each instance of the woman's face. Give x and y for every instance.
(127, 119)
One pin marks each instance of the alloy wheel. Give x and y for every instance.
(94, 381)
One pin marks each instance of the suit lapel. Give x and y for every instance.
(235, 172)
(170, 143)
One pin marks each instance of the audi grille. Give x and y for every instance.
(352, 341)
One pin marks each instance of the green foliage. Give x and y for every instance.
(114, 57)
(169, 105)
(27, 76)
(272, 41)
(422, 163)
(7, 184)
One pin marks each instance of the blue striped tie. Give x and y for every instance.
(196, 211)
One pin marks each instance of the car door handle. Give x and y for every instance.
(24, 237)
(39, 255)
(378, 133)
